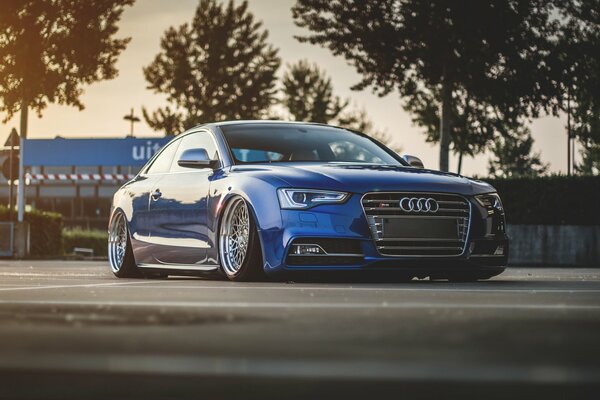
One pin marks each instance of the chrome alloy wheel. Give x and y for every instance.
(234, 236)
(117, 242)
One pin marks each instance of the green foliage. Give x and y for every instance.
(590, 162)
(473, 60)
(45, 228)
(45, 231)
(358, 120)
(474, 125)
(513, 156)
(550, 200)
(217, 67)
(581, 47)
(308, 94)
(50, 48)
(90, 239)
(579, 44)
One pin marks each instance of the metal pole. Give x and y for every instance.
(21, 189)
(11, 181)
(131, 126)
(132, 120)
(573, 154)
(569, 130)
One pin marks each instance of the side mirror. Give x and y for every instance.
(413, 161)
(196, 158)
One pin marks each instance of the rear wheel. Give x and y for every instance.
(120, 254)
(239, 247)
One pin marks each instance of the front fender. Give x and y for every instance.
(261, 197)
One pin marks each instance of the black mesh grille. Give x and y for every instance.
(398, 232)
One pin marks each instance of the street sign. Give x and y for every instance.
(90, 152)
(6, 170)
(12, 139)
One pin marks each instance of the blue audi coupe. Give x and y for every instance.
(258, 199)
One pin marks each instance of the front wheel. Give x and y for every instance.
(120, 254)
(239, 246)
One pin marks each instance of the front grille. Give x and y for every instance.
(433, 234)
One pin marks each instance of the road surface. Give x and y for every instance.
(72, 330)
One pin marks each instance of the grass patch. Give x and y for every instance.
(90, 239)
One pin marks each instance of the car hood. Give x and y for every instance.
(362, 178)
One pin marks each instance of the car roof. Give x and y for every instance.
(263, 121)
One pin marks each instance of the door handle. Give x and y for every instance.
(156, 195)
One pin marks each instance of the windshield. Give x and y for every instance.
(268, 143)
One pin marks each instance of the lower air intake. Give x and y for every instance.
(331, 252)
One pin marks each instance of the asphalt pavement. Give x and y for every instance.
(72, 330)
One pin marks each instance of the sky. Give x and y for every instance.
(107, 102)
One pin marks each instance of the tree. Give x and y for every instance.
(579, 47)
(586, 124)
(590, 159)
(49, 49)
(484, 51)
(308, 94)
(218, 67)
(358, 120)
(514, 157)
(474, 126)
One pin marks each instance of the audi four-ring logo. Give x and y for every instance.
(419, 205)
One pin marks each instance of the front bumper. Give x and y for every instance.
(347, 222)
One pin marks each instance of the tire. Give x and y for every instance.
(240, 256)
(120, 253)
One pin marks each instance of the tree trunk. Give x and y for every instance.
(24, 116)
(445, 124)
(460, 157)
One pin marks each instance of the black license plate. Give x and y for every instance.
(423, 228)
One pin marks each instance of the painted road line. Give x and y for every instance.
(85, 285)
(50, 274)
(308, 305)
(361, 370)
(354, 288)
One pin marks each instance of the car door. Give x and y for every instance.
(179, 207)
(140, 190)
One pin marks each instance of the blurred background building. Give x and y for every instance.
(80, 189)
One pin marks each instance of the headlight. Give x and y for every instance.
(306, 198)
(490, 201)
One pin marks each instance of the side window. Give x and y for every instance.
(196, 140)
(163, 161)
